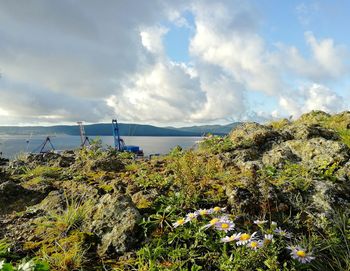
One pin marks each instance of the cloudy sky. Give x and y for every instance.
(171, 62)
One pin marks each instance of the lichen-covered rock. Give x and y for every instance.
(254, 134)
(144, 199)
(115, 223)
(279, 156)
(110, 163)
(54, 201)
(318, 152)
(14, 197)
(304, 131)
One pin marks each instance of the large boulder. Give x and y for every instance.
(115, 223)
(279, 156)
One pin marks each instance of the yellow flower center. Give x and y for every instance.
(181, 221)
(301, 253)
(254, 244)
(203, 212)
(225, 226)
(191, 215)
(213, 221)
(244, 237)
(217, 209)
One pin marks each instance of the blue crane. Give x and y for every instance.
(119, 143)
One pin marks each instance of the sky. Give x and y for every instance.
(172, 62)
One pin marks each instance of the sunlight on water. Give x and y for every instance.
(10, 146)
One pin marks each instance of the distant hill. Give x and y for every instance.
(213, 129)
(105, 129)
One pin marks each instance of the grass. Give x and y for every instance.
(62, 236)
(186, 181)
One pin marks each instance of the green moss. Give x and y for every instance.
(105, 187)
(44, 172)
(279, 124)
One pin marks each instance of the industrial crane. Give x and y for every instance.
(84, 139)
(119, 143)
(41, 148)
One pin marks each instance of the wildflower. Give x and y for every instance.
(231, 238)
(245, 238)
(273, 225)
(283, 233)
(203, 212)
(191, 216)
(268, 239)
(179, 222)
(300, 254)
(254, 244)
(211, 223)
(260, 222)
(217, 209)
(216, 220)
(26, 266)
(225, 225)
(2, 263)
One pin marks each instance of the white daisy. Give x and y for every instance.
(283, 233)
(179, 222)
(254, 244)
(260, 222)
(300, 254)
(191, 216)
(233, 237)
(224, 225)
(245, 238)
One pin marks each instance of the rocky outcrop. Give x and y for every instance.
(308, 147)
(115, 222)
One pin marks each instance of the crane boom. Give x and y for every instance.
(118, 142)
(83, 138)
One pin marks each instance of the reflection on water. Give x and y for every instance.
(12, 145)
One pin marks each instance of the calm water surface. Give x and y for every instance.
(12, 145)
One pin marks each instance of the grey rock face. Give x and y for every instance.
(303, 131)
(254, 134)
(317, 152)
(310, 147)
(115, 222)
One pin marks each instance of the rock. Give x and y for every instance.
(318, 152)
(115, 223)
(143, 199)
(328, 195)
(253, 134)
(14, 197)
(308, 131)
(279, 156)
(315, 116)
(3, 161)
(66, 161)
(54, 201)
(109, 163)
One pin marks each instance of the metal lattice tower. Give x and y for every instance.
(84, 139)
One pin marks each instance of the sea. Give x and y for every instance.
(12, 146)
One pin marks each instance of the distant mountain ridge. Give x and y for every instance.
(105, 129)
